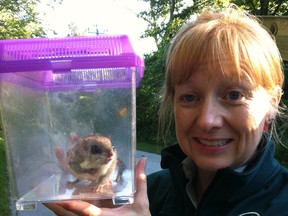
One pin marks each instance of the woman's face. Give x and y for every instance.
(219, 121)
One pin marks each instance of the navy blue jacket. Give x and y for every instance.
(262, 189)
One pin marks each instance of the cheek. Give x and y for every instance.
(251, 123)
(251, 131)
(257, 114)
(261, 107)
(183, 123)
(178, 120)
(178, 123)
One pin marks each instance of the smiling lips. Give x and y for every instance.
(212, 143)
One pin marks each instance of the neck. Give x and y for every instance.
(203, 180)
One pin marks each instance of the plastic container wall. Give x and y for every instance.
(68, 112)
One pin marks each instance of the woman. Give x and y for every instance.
(223, 87)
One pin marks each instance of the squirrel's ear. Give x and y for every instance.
(109, 137)
(106, 136)
(74, 138)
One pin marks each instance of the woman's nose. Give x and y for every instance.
(210, 115)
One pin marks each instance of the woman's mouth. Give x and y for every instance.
(218, 142)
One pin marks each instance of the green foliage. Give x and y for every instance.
(164, 18)
(148, 96)
(264, 7)
(4, 186)
(282, 148)
(285, 89)
(282, 125)
(74, 30)
(148, 147)
(19, 19)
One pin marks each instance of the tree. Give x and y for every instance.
(19, 19)
(148, 96)
(164, 18)
(74, 30)
(264, 7)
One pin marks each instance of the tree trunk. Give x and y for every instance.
(264, 7)
(172, 8)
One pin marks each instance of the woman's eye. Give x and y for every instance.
(188, 98)
(235, 95)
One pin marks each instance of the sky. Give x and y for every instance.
(109, 16)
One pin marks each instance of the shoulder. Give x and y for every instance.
(156, 176)
(277, 194)
(160, 192)
(159, 182)
(280, 183)
(278, 204)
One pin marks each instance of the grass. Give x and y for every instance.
(4, 183)
(148, 147)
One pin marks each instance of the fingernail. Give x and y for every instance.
(143, 161)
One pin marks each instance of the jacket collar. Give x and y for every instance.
(171, 158)
(230, 184)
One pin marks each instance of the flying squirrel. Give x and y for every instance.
(92, 158)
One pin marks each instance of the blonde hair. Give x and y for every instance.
(214, 39)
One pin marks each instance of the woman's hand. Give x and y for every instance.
(105, 207)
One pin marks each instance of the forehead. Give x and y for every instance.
(224, 69)
(219, 51)
(215, 79)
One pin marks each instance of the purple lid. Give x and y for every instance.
(103, 60)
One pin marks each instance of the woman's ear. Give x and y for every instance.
(276, 97)
(275, 100)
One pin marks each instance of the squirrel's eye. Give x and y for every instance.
(95, 149)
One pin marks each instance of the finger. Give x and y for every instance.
(141, 203)
(59, 210)
(74, 208)
(81, 208)
(141, 197)
(141, 175)
(61, 157)
(103, 203)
